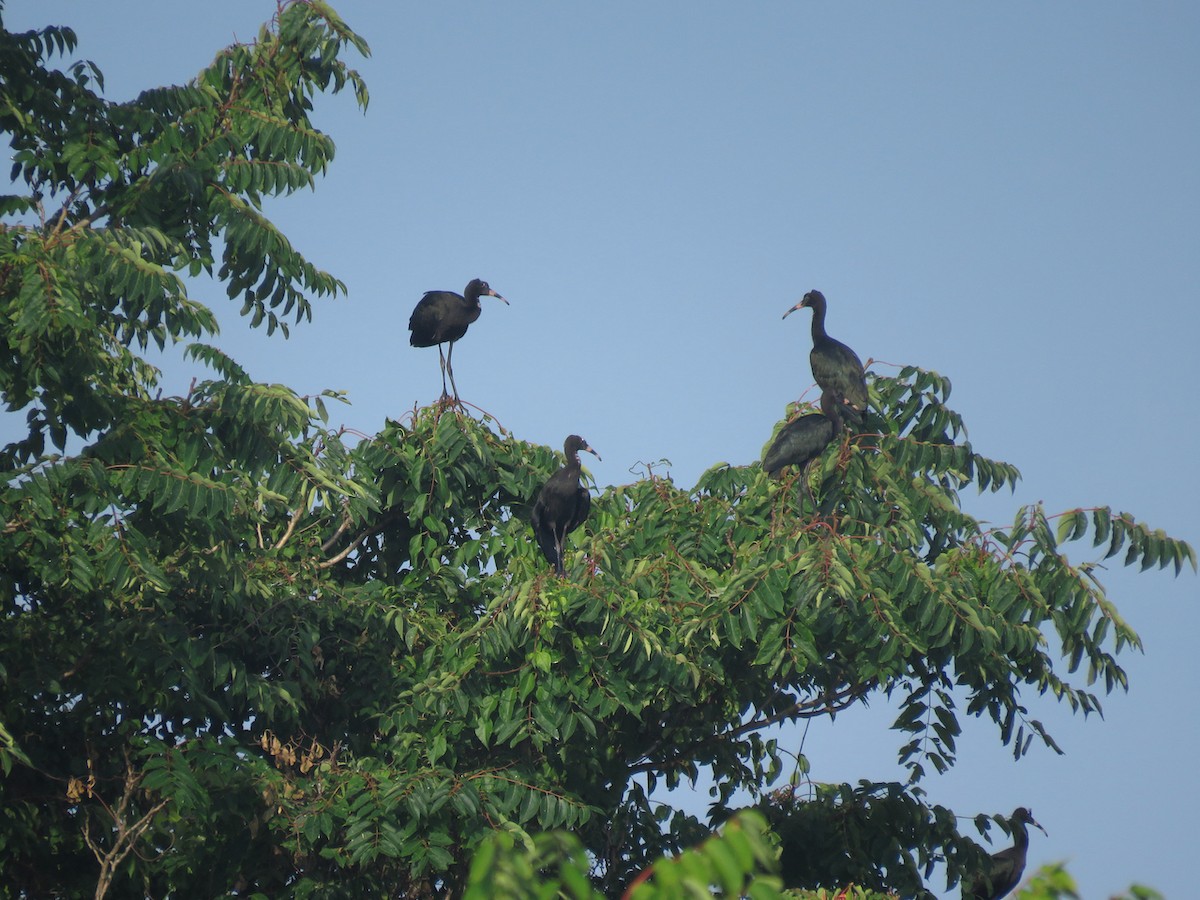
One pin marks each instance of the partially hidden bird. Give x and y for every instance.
(1007, 865)
(562, 505)
(801, 441)
(835, 367)
(443, 317)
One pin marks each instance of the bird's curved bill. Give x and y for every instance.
(799, 305)
(498, 297)
(591, 451)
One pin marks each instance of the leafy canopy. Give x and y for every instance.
(244, 652)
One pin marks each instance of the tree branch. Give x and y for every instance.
(125, 834)
(827, 703)
(287, 535)
(389, 516)
(336, 536)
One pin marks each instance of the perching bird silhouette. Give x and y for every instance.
(801, 441)
(835, 367)
(562, 505)
(1008, 865)
(443, 316)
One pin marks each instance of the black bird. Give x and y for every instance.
(443, 316)
(1008, 865)
(801, 441)
(835, 367)
(562, 504)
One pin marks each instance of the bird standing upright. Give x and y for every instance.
(562, 505)
(1008, 865)
(801, 441)
(443, 316)
(835, 367)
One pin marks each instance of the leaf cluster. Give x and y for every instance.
(735, 862)
(121, 202)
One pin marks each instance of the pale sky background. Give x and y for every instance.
(1006, 193)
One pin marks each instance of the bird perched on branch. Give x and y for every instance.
(443, 317)
(801, 440)
(562, 505)
(1008, 865)
(835, 367)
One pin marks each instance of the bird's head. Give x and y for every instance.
(480, 288)
(575, 443)
(811, 299)
(1023, 816)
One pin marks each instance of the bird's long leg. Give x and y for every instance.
(559, 540)
(806, 489)
(450, 369)
(442, 360)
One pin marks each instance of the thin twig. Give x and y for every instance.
(337, 535)
(334, 560)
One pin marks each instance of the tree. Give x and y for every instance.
(128, 688)
(243, 652)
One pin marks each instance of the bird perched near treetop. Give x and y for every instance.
(443, 317)
(562, 505)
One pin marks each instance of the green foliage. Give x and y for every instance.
(243, 654)
(728, 864)
(850, 892)
(549, 865)
(1050, 882)
(734, 862)
(1054, 882)
(122, 200)
(1141, 892)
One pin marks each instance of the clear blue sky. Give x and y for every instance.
(1006, 193)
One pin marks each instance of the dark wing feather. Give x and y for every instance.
(423, 323)
(583, 505)
(543, 530)
(1005, 874)
(838, 370)
(798, 443)
(441, 316)
(561, 507)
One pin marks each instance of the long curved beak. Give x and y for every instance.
(1038, 826)
(492, 293)
(591, 451)
(799, 305)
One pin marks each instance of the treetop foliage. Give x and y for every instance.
(122, 201)
(245, 652)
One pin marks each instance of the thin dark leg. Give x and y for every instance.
(442, 360)
(450, 369)
(804, 486)
(558, 562)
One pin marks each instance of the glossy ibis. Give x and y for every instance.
(801, 441)
(1008, 865)
(443, 316)
(835, 366)
(562, 504)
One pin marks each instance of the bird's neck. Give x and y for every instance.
(832, 414)
(1021, 837)
(818, 322)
